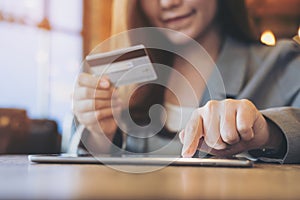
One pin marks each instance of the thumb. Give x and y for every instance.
(104, 83)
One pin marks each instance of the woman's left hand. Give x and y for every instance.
(225, 128)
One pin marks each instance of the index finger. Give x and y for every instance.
(94, 82)
(192, 134)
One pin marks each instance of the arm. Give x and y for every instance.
(230, 127)
(279, 125)
(287, 119)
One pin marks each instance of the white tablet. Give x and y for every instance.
(139, 159)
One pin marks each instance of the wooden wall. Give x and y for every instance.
(96, 23)
(280, 16)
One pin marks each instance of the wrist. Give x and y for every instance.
(276, 137)
(275, 147)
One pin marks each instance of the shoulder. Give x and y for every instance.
(285, 55)
(284, 49)
(279, 63)
(284, 52)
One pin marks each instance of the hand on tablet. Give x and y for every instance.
(94, 102)
(226, 128)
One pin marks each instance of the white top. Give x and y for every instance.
(176, 117)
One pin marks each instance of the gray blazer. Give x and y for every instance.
(270, 78)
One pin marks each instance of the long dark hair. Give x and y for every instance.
(232, 16)
(234, 20)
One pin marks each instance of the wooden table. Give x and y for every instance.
(20, 179)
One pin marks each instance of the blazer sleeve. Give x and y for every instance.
(288, 118)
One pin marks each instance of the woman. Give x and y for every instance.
(258, 114)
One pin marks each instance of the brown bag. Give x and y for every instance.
(14, 126)
(21, 135)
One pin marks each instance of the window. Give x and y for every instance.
(41, 52)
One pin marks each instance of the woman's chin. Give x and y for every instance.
(178, 38)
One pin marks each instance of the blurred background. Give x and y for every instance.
(42, 43)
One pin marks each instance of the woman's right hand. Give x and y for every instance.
(96, 104)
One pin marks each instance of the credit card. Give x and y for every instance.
(123, 66)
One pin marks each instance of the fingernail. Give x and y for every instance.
(181, 137)
(104, 83)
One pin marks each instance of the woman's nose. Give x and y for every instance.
(168, 4)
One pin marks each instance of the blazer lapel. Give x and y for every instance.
(229, 75)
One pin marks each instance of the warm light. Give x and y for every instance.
(297, 37)
(268, 38)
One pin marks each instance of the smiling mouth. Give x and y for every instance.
(175, 19)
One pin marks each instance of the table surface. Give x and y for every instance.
(21, 179)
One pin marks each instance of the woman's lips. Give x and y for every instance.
(178, 19)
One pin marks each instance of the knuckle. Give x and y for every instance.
(210, 105)
(227, 106)
(247, 137)
(247, 104)
(243, 130)
(243, 127)
(245, 101)
(230, 138)
(228, 102)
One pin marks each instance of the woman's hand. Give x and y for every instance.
(226, 128)
(95, 106)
